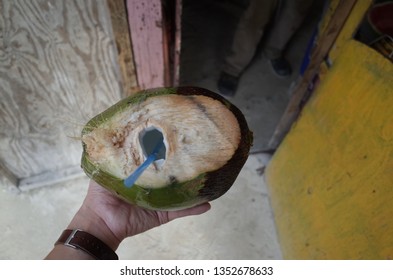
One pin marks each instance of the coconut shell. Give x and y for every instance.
(175, 195)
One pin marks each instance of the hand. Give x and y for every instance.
(112, 220)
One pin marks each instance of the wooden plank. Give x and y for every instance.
(118, 12)
(172, 12)
(146, 27)
(177, 44)
(167, 34)
(57, 70)
(351, 26)
(323, 47)
(50, 178)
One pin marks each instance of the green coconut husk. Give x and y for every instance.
(174, 194)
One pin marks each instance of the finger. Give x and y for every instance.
(196, 210)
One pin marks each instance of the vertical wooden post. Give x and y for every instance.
(145, 23)
(155, 28)
(177, 47)
(118, 12)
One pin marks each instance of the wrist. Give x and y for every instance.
(87, 220)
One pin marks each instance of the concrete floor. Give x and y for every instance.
(240, 224)
(207, 32)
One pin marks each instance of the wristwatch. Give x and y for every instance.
(79, 239)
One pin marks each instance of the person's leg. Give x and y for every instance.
(246, 39)
(247, 35)
(290, 17)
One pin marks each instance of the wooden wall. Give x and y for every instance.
(58, 68)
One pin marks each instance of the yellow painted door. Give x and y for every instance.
(331, 180)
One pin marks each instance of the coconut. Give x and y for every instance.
(205, 142)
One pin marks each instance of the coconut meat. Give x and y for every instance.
(199, 134)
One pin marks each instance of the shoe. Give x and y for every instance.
(281, 66)
(227, 84)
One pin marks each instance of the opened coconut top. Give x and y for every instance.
(200, 134)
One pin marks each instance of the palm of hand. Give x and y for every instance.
(126, 220)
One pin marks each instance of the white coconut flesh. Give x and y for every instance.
(200, 135)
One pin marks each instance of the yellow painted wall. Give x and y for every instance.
(331, 180)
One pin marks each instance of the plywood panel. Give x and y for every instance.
(57, 69)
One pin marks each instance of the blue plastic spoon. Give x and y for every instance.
(130, 180)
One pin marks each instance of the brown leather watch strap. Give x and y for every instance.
(79, 239)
